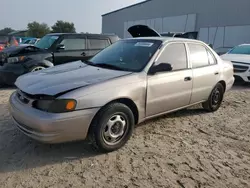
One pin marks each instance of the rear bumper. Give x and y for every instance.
(10, 72)
(48, 127)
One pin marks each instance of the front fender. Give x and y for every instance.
(97, 96)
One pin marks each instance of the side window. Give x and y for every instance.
(198, 55)
(96, 44)
(211, 58)
(74, 43)
(174, 54)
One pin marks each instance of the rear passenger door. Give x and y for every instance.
(74, 49)
(205, 71)
(96, 44)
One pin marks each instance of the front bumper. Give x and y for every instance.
(242, 71)
(48, 127)
(10, 72)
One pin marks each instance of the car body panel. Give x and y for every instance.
(94, 87)
(204, 80)
(65, 77)
(241, 65)
(48, 127)
(164, 88)
(237, 58)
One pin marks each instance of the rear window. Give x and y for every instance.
(198, 55)
(243, 49)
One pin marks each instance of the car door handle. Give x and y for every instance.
(216, 73)
(187, 78)
(83, 54)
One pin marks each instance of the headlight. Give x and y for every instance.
(15, 59)
(55, 106)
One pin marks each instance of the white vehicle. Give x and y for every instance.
(240, 57)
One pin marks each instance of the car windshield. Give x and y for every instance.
(47, 41)
(127, 55)
(243, 49)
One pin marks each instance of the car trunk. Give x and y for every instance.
(142, 31)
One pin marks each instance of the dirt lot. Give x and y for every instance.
(189, 148)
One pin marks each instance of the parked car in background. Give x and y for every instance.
(52, 49)
(125, 84)
(240, 57)
(7, 41)
(31, 41)
(188, 35)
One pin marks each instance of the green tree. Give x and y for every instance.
(63, 27)
(6, 30)
(38, 30)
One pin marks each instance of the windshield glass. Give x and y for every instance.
(243, 49)
(47, 41)
(127, 55)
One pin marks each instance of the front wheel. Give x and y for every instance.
(215, 99)
(112, 127)
(36, 68)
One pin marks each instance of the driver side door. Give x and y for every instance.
(167, 91)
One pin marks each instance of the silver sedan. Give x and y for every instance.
(125, 84)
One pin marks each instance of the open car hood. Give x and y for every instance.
(142, 31)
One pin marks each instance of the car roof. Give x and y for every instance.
(167, 39)
(83, 34)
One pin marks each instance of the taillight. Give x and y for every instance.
(1, 47)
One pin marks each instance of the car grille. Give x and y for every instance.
(240, 68)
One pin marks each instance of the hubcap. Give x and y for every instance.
(114, 129)
(216, 97)
(37, 69)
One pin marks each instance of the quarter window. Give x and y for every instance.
(174, 54)
(96, 44)
(211, 58)
(74, 44)
(198, 55)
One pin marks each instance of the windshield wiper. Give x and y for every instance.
(104, 65)
(88, 62)
(109, 66)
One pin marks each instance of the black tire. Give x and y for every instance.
(99, 126)
(215, 99)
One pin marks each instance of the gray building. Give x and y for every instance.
(222, 23)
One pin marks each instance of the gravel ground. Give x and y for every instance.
(189, 148)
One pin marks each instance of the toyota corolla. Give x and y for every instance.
(125, 84)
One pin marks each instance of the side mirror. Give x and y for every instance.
(162, 67)
(60, 47)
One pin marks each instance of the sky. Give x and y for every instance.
(85, 14)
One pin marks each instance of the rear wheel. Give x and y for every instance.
(215, 99)
(112, 127)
